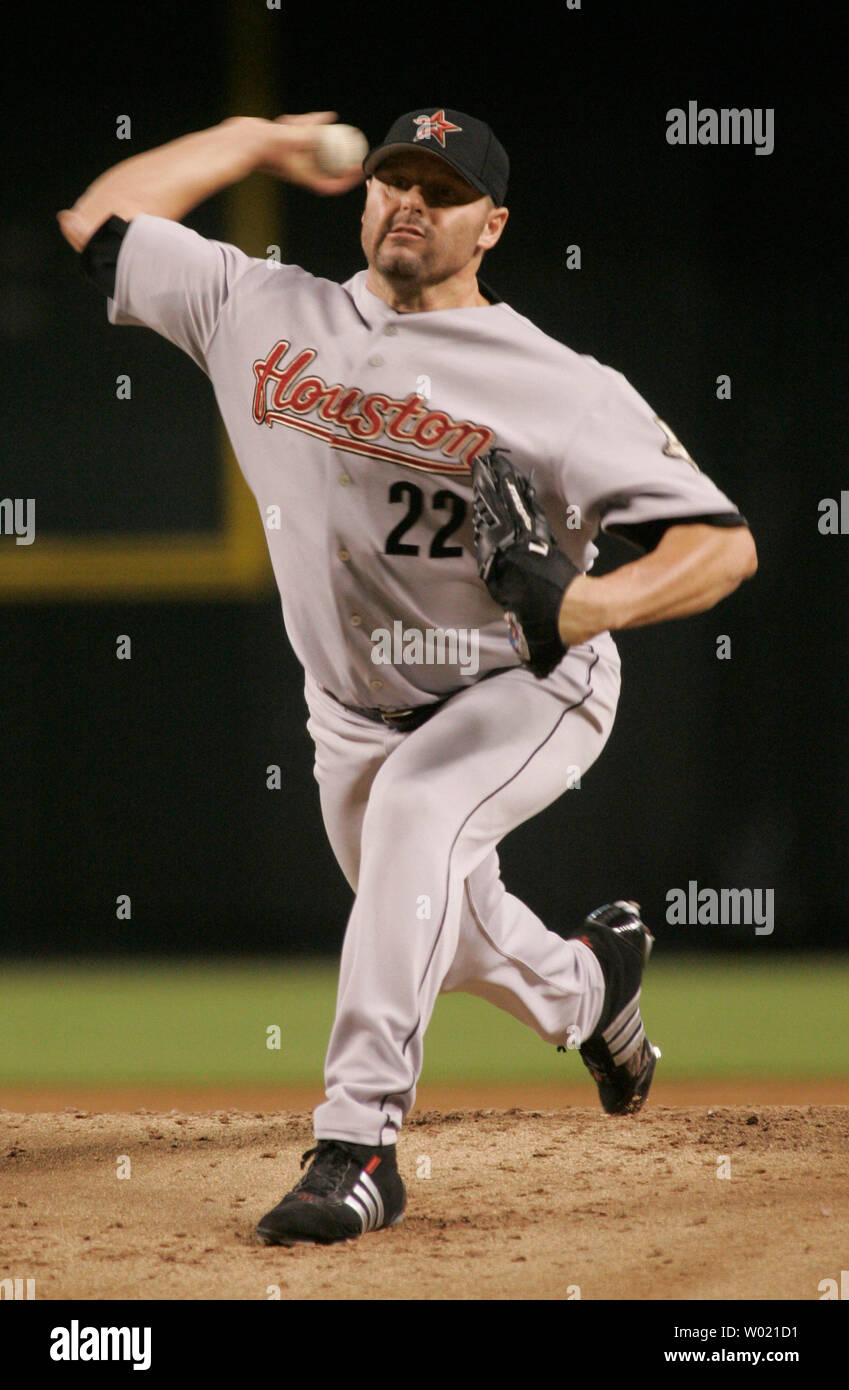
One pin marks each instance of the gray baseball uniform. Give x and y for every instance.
(360, 424)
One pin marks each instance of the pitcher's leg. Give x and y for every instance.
(349, 753)
(495, 756)
(507, 956)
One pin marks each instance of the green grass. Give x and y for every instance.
(195, 1023)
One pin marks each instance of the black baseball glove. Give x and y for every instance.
(519, 560)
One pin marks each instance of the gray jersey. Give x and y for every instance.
(360, 424)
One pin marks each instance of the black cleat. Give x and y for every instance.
(348, 1189)
(619, 1056)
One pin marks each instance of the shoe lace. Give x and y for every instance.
(331, 1162)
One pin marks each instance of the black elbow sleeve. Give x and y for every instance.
(99, 259)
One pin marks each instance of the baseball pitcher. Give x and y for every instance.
(443, 468)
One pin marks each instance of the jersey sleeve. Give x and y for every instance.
(630, 474)
(173, 280)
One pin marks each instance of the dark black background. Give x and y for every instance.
(148, 777)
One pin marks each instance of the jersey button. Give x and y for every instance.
(356, 620)
(375, 360)
(390, 330)
(344, 479)
(344, 555)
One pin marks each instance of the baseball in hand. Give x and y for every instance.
(339, 148)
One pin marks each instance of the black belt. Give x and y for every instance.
(405, 720)
(402, 720)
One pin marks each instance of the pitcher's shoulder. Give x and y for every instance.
(596, 376)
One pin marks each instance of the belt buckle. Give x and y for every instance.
(390, 715)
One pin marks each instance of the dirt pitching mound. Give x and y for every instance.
(729, 1203)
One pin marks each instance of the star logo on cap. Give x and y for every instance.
(435, 125)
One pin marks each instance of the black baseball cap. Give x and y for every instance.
(465, 143)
